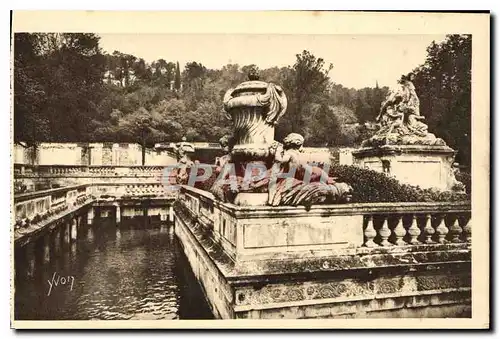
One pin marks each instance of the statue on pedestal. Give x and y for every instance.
(400, 119)
(226, 143)
(182, 151)
(264, 171)
(403, 144)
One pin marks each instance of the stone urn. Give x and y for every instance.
(254, 107)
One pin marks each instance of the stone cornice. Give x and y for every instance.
(402, 149)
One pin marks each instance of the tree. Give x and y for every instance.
(65, 89)
(30, 126)
(443, 84)
(177, 79)
(144, 127)
(307, 82)
(59, 88)
(194, 75)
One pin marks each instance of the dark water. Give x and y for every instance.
(135, 271)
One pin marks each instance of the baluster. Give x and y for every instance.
(385, 233)
(370, 233)
(399, 232)
(428, 230)
(414, 231)
(456, 231)
(442, 230)
(468, 230)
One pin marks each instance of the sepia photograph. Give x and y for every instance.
(213, 171)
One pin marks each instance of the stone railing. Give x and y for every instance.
(30, 171)
(103, 181)
(415, 223)
(35, 207)
(263, 231)
(131, 190)
(135, 171)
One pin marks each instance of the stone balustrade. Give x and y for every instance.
(30, 171)
(102, 170)
(35, 207)
(131, 190)
(414, 228)
(345, 260)
(246, 231)
(22, 170)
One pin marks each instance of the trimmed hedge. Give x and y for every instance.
(465, 178)
(372, 186)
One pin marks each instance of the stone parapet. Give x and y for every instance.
(353, 260)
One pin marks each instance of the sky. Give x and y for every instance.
(359, 60)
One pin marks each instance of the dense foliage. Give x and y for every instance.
(67, 89)
(371, 186)
(443, 84)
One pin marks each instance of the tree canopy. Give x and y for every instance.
(67, 89)
(443, 84)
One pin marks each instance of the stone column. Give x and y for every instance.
(74, 230)
(96, 154)
(118, 214)
(171, 213)
(115, 154)
(57, 240)
(67, 231)
(118, 235)
(46, 248)
(163, 214)
(30, 258)
(90, 234)
(90, 216)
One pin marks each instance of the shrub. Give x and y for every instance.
(372, 186)
(464, 178)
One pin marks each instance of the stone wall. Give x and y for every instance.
(129, 154)
(94, 154)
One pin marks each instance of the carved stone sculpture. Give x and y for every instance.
(226, 143)
(403, 144)
(308, 186)
(183, 150)
(255, 107)
(400, 120)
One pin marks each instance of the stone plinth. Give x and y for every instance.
(419, 165)
(261, 262)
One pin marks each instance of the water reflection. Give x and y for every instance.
(134, 271)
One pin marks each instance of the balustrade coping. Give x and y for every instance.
(38, 194)
(88, 166)
(335, 209)
(21, 237)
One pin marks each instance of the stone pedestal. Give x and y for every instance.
(419, 165)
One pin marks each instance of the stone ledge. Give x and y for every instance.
(34, 231)
(43, 193)
(246, 212)
(446, 304)
(400, 149)
(352, 299)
